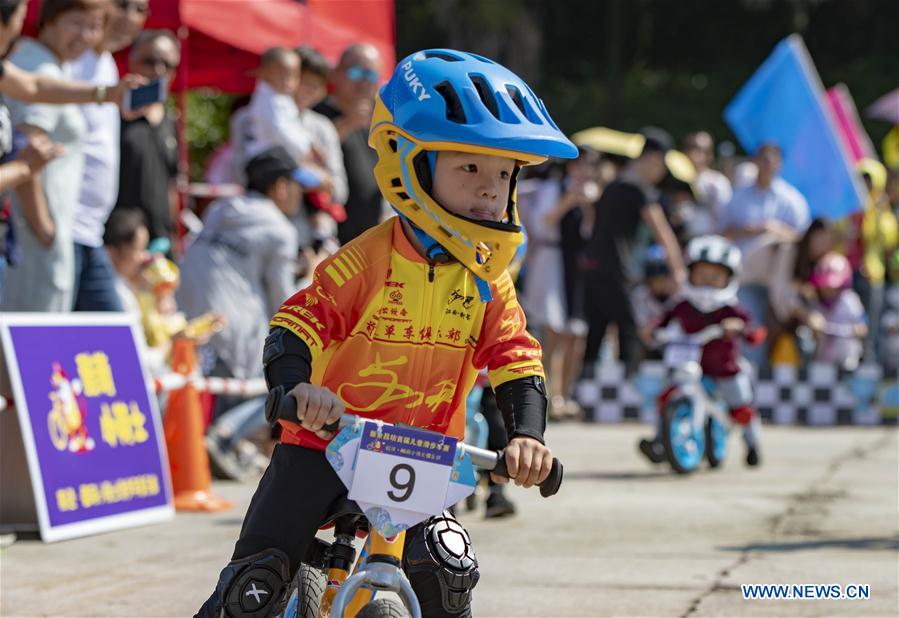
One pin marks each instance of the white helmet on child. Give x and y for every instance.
(721, 252)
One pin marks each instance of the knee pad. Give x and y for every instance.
(439, 559)
(742, 415)
(253, 586)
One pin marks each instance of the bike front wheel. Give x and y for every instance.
(684, 443)
(305, 593)
(384, 608)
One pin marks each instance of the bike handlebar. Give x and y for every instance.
(674, 334)
(281, 405)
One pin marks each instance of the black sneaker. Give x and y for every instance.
(653, 450)
(752, 457)
(498, 505)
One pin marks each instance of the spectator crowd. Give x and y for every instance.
(90, 214)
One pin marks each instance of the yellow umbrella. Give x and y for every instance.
(630, 145)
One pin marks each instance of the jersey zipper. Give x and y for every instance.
(427, 314)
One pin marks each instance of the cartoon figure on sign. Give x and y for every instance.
(67, 421)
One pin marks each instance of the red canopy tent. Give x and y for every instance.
(222, 39)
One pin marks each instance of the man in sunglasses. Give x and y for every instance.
(94, 275)
(355, 82)
(149, 142)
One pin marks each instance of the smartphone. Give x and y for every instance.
(143, 96)
(308, 178)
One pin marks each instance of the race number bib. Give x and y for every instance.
(677, 354)
(403, 468)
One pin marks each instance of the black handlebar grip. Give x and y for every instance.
(549, 486)
(281, 405)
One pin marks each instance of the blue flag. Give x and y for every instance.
(784, 103)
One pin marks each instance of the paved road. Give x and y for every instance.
(622, 539)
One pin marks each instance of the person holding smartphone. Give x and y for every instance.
(149, 157)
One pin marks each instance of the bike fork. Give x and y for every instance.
(382, 571)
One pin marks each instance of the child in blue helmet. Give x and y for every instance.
(425, 298)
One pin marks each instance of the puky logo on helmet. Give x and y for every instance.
(414, 83)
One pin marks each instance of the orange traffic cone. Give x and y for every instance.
(183, 426)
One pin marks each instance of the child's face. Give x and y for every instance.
(662, 286)
(705, 275)
(283, 74)
(128, 260)
(473, 185)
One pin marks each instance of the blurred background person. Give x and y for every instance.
(149, 143)
(350, 105)
(272, 117)
(869, 238)
(761, 213)
(712, 187)
(243, 265)
(653, 297)
(553, 289)
(837, 317)
(889, 349)
(94, 275)
(126, 239)
(611, 262)
(789, 274)
(44, 205)
(325, 153)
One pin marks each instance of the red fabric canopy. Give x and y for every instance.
(225, 37)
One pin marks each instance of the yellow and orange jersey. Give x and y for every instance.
(396, 346)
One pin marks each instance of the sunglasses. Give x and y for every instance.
(356, 73)
(138, 7)
(155, 62)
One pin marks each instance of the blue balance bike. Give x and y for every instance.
(695, 421)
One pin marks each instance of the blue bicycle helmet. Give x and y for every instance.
(442, 99)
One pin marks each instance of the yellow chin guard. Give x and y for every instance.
(483, 247)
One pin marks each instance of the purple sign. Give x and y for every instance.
(409, 442)
(90, 426)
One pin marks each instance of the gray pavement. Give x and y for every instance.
(621, 539)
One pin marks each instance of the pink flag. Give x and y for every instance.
(848, 124)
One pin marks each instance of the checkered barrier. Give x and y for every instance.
(785, 395)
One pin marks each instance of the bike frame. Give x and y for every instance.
(377, 569)
(689, 382)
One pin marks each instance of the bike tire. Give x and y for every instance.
(384, 608)
(681, 462)
(712, 438)
(304, 594)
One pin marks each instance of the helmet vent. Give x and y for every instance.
(515, 95)
(396, 182)
(443, 56)
(485, 93)
(403, 196)
(482, 59)
(392, 144)
(454, 110)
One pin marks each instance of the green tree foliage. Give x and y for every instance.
(672, 63)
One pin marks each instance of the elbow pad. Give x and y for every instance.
(523, 404)
(286, 359)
